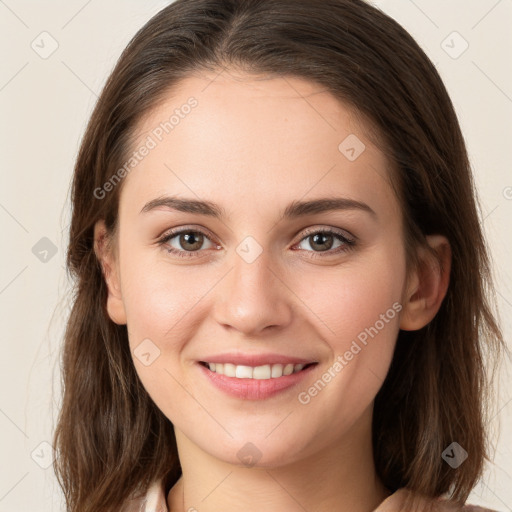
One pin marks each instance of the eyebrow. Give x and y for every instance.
(294, 210)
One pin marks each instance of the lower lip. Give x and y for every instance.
(254, 389)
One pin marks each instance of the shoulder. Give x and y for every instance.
(153, 501)
(421, 503)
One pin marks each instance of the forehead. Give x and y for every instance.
(262, 138)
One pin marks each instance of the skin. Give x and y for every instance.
(252, 145)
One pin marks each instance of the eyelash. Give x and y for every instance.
(348, 244)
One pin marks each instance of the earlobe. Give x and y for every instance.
(110, 271)
(427, 286)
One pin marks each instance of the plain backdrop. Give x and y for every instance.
(56, 56)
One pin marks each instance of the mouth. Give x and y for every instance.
(255, 382)
(263, 372)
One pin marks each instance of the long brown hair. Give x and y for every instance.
(111, 438)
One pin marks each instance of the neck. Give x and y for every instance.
(340, 478)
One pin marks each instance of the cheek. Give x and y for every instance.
(358, 309)
(351, 298)
(160, 302)
(159, 297)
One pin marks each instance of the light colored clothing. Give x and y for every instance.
(156, 501)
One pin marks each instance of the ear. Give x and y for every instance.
(427, 285)
(109, 266)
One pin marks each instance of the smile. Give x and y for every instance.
(264, 372)
(255, 382)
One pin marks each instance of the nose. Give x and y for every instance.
(254, 297)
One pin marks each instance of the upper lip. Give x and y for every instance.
(255, 359)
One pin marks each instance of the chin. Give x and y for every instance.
(262, 453)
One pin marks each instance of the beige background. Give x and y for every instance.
(44, 104)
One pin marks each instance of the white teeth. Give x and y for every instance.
(261, 372)
(229, 370)
(288, 369)
(277, 370)
(243, 372)
(264, 372)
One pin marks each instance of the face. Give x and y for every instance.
(255, 280)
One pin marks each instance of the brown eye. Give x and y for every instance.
(190, 240)
(321, 241)
(324, 240)
(186, 242)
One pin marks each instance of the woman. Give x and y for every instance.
(320, 343)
